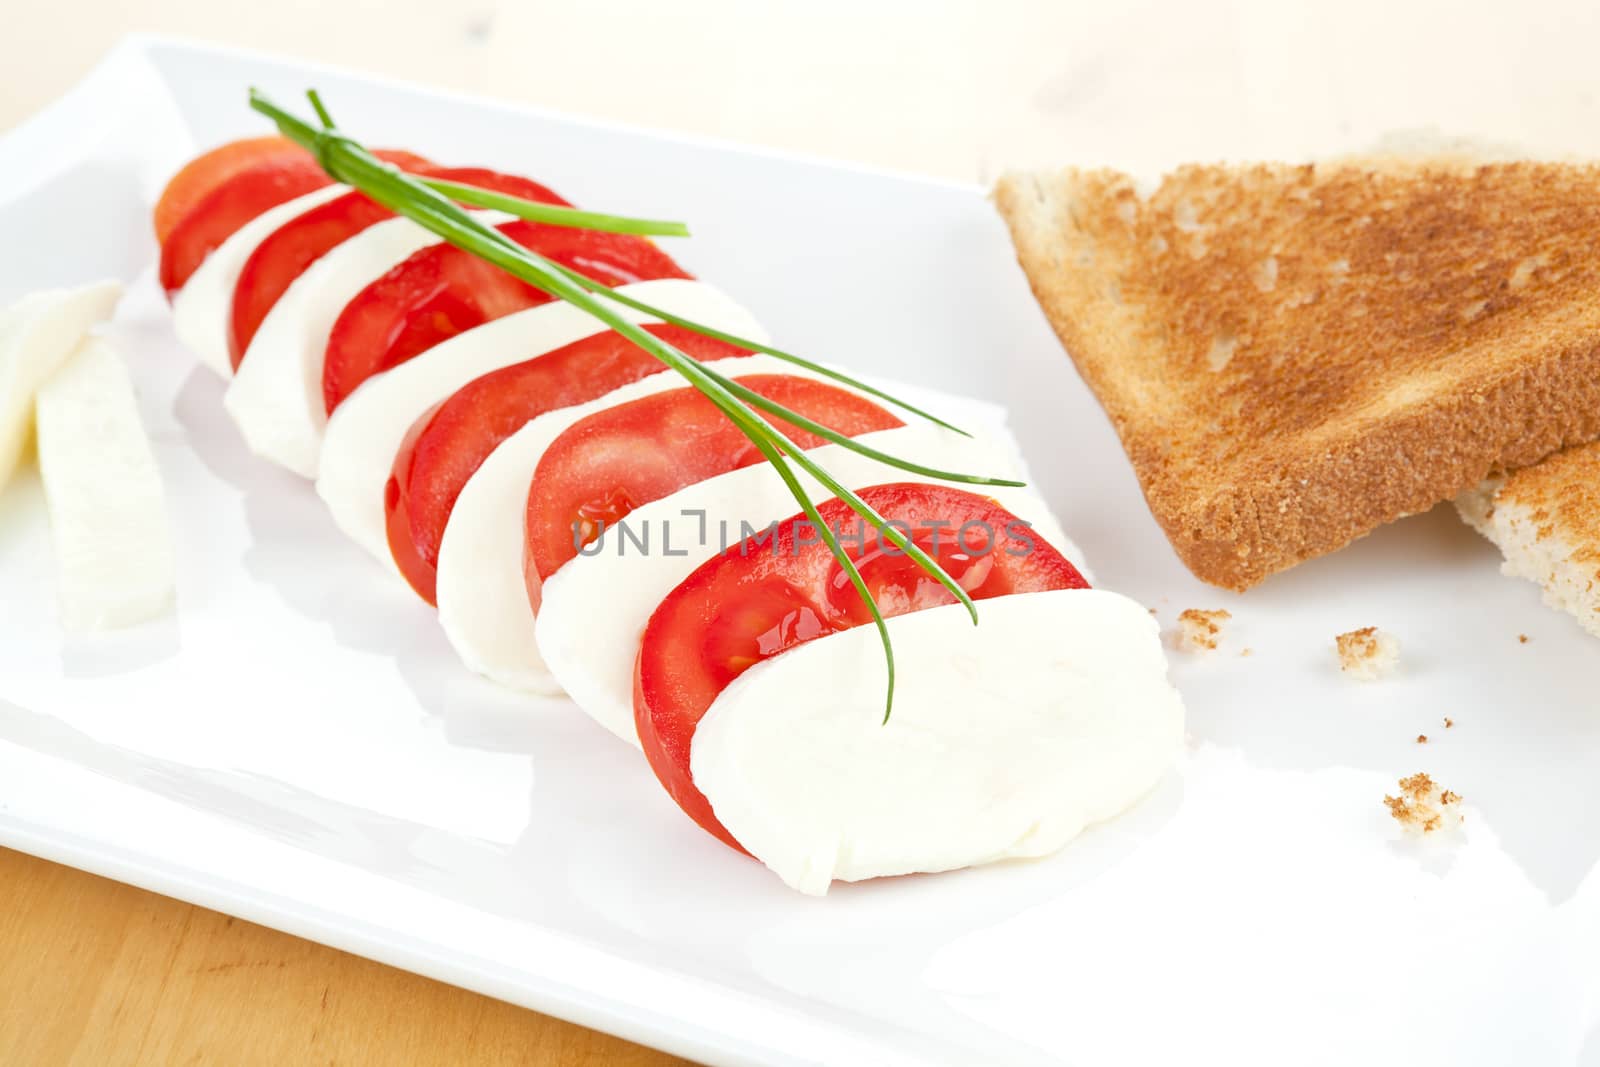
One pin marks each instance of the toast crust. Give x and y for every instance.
(1294, 355)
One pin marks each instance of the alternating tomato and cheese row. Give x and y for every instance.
(586, 522)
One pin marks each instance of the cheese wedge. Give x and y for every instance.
(108, 517)
(37, 334)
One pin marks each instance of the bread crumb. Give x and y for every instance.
(1422, 739)
(1246, 652)
(1368, 653)
(1448, 722)
(1199, 631)
(1423, 807)
(1522, 639)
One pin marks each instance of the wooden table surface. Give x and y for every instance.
(94, 972)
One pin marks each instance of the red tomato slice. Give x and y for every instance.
(764, 596)
(240, 197)
(442, 290)
(293, 247)
(604, 466)
(205, 172)
(447, 445)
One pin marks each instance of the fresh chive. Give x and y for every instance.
(317, 106)
(346, 161)
(555, 214)
(531, 210)
(831, 539)
(828, 433)
(823, 369)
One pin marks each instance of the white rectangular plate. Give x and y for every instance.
(299, 747)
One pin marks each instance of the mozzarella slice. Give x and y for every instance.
(594, 609)
(203, 308)
(276, 397)
(107, 511)
(482, 603)
(37, 334)
(366, 431)
(1006, 741)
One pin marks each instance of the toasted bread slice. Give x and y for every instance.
(1293, 355)
(1546, 520)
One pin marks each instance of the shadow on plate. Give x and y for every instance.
(365, 607)
(113, 652)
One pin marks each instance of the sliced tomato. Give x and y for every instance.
(293, 247)
(447, 445)
(605, 465)
(441, 291)
(239, 197)
(783, 588)
(205, 172)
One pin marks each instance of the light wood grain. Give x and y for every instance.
(96, 973)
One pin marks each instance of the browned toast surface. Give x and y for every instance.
(1293, 355)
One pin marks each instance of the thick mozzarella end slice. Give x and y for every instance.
(1007, 739)
(276, 398)
(483, 603)
(591, 651)
(108, 515)
(366, 431)
(37, 335)
(203, 307)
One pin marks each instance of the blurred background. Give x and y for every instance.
(957, 88)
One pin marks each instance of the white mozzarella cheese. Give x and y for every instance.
(1006, 741)
(482, 604)
(594, 609)
(203, 307)
(37, 335)
(108, 515)
(276, 396)
(366, 431)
